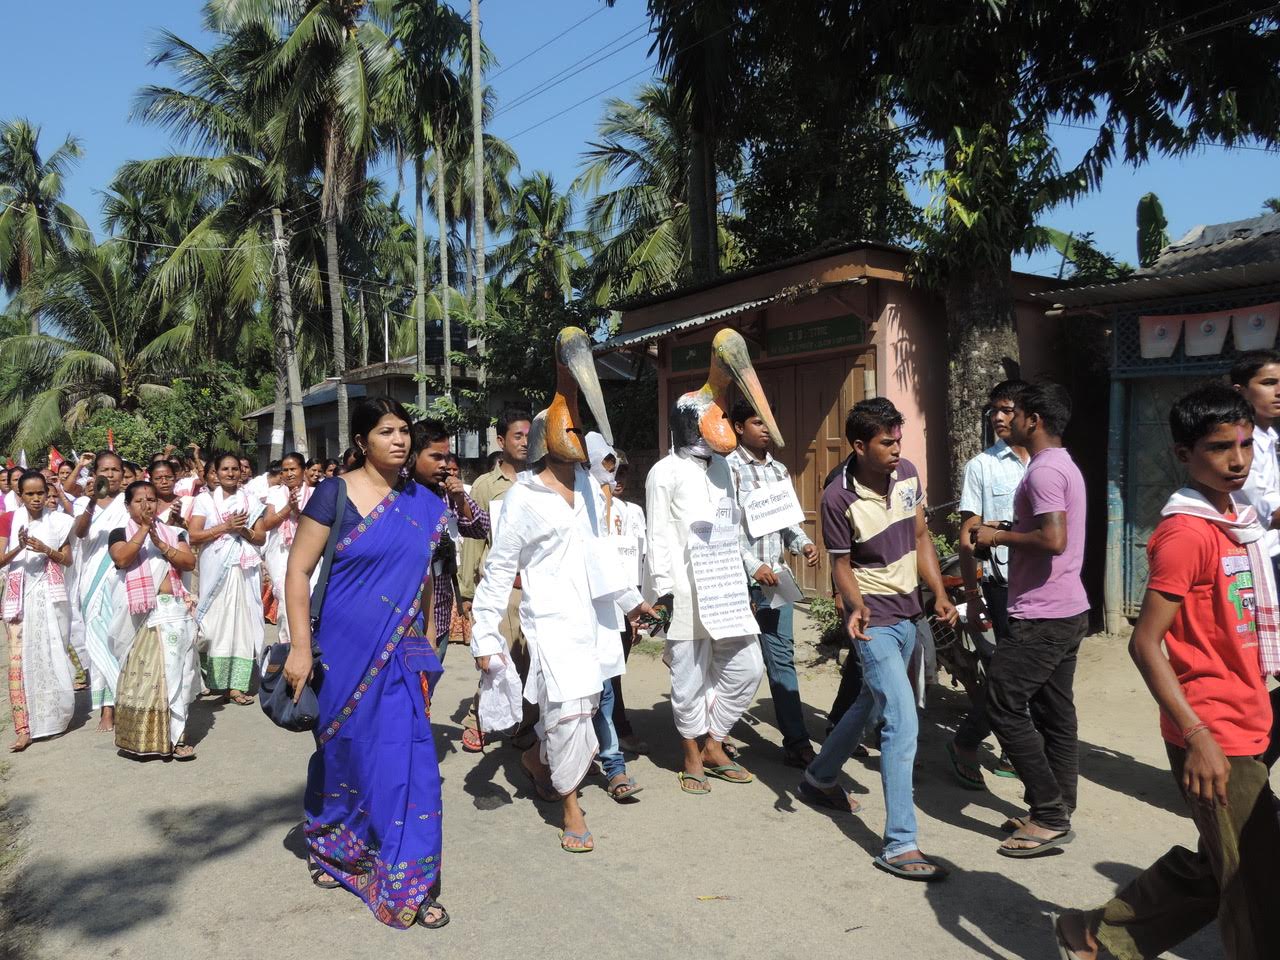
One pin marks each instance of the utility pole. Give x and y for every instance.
(477, 170)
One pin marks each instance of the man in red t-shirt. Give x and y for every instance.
(1197, 645)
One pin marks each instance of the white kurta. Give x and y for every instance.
(43, 628)
(678, 492)
(229, 616)
(712, 681)
(97, 584)
(573, 635)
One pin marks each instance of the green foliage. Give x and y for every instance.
(1088, 263)
(202, 409)
(1152, 233)
(134, 438)
(826, 617)
(945, 540)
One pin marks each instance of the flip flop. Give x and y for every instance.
(438, 922)
(721, 772)
(322, 878)
(821, 798)
(1004, 768)
(920, 876)
(580, 837)
(1014, 823)
(700, 791)
(957, 767)
(1042, 844)
(472, 740)
(623, 790)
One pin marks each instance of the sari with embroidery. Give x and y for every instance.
(373, 786)
(100, 588)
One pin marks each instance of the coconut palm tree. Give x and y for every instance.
(323, 85)
(253, 185)
(114, 347)
(637, 171)
(35, 224)
(429, 100)
(542, 254)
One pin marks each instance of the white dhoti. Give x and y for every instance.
(567, 739)
(712, 683)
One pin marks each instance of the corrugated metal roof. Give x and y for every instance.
(1208, 259)
(314, 396)
(657, 331)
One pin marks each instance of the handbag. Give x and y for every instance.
(274, 694)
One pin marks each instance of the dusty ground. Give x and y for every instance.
(158, 860)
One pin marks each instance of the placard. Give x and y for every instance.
(630, 554)
(772, 507)
(787, 591)
(720, 583)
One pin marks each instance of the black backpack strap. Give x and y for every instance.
(322, 584)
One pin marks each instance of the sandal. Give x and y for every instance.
(472, 740)
(817, 797)
(321, 877)
(438, 922)
(623, 790)
(183, 752)
(898, 869)
(583, 838)
(1004, 768)
(798, 757)
(702, 788)
(723, 771)
(968, 774)
(243, 699)
(1014, 823)
(1042, 844)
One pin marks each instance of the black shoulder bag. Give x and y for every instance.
(275, 696)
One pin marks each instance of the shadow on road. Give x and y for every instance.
(88, 899)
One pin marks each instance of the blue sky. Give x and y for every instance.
(101, 60)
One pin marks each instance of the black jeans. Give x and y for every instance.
(976, 727)
(850, 687)
(621, 725)
(1030, 705)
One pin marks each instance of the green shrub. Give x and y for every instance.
(134, 438)
(826, 617)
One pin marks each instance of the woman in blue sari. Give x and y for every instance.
(373, 786)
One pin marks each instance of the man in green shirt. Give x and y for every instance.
(513, 442)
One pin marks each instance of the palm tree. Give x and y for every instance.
(35, 224)
(115, 346)
(428, 96)
(323, 84)
(643, 217)
(500, 164)
(542, 254)
(214, 107)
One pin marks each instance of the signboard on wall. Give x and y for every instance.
(697, 356)
(818, 335)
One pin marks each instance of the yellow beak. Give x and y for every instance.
(731, 361)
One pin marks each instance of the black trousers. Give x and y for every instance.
(1032, 709)
(976, 727)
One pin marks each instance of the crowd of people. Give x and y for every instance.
(150, 585)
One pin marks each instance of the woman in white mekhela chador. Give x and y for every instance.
(227, 526)
(284, 505)
(161, 676)
(97, 579)
(38, 615)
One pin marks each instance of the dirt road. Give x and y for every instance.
(156, 860)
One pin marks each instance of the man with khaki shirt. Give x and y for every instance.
(513, 442)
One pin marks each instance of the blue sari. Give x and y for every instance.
(373, 786)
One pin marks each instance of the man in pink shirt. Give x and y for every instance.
(1029, 684)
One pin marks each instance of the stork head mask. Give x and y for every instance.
(557, 431)
(700, 420)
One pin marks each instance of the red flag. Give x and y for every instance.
(111, 439)
(55, 459)
(9, 463)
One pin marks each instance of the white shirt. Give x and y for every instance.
(678, 492)
(1262, 488)
(572, 635)
(990, 481)
(53, 529)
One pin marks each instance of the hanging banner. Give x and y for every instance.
(1158, 336)
(1255, 328)
(1206, 332)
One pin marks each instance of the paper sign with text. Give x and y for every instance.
(720, 582)
(772, 507)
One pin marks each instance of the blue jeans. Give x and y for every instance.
(777, 643)
(610, 754)
(886, 689)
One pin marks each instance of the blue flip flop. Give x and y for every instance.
(581, 838)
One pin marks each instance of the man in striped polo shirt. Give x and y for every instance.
(874, 527)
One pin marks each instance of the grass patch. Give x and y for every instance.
(649, 648)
